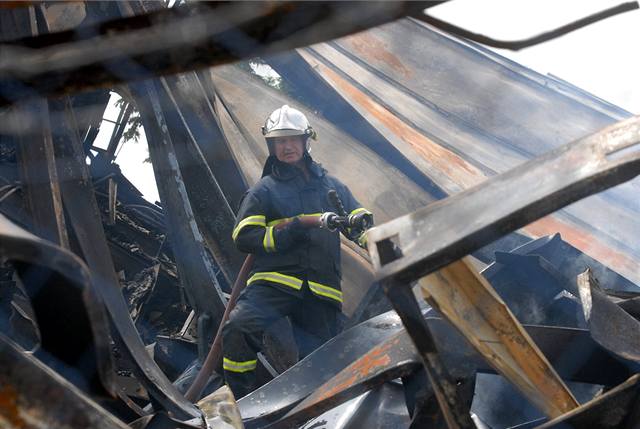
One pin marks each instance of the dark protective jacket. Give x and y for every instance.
(280, 195)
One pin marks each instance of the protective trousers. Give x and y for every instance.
(314, 322)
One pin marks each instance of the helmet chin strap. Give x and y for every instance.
(307, 146)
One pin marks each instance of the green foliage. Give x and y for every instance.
(255, 64)
(134, 124)
(132, 132)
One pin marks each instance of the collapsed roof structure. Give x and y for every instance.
(456, 150)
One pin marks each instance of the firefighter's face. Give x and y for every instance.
(289, 149)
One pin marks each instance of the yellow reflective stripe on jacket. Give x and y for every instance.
(359, 210)
(286, 219)
(257, 220)
(325, 291)
(268, 242)
(275, 277)
(233, 366)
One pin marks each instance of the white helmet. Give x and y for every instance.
(287, 121)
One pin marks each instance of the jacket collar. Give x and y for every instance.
(283, 171)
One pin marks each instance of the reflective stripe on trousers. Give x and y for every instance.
(296, 283)
(233, 366)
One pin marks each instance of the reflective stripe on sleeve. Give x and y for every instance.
(268, 242)
(286, 219)
(275, 277)
(326, 291)
(233, 366)
(257, 220)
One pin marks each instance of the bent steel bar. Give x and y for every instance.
(447, 230)
(176, 40)
(61, 303)
(610, 326)
(614, 409)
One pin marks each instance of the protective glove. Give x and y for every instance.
(360, 222)
(295, 233)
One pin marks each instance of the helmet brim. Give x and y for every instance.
(284, 133)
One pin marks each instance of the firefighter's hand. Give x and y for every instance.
(360, 221)
(297, 231)
(290, 235)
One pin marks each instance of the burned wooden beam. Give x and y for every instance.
(38, 172)
(39, 177)
(217, 149)
(211, 207)
(469, 302)
(81, 206)
(176, 40)
(113, 199)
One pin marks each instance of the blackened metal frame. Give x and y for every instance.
(412, 246)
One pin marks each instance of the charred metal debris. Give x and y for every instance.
(495, 293)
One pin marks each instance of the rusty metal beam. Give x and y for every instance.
(177, 40)
(387, 361)
(273, 400)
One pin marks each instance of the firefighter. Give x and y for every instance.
(296, 271)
